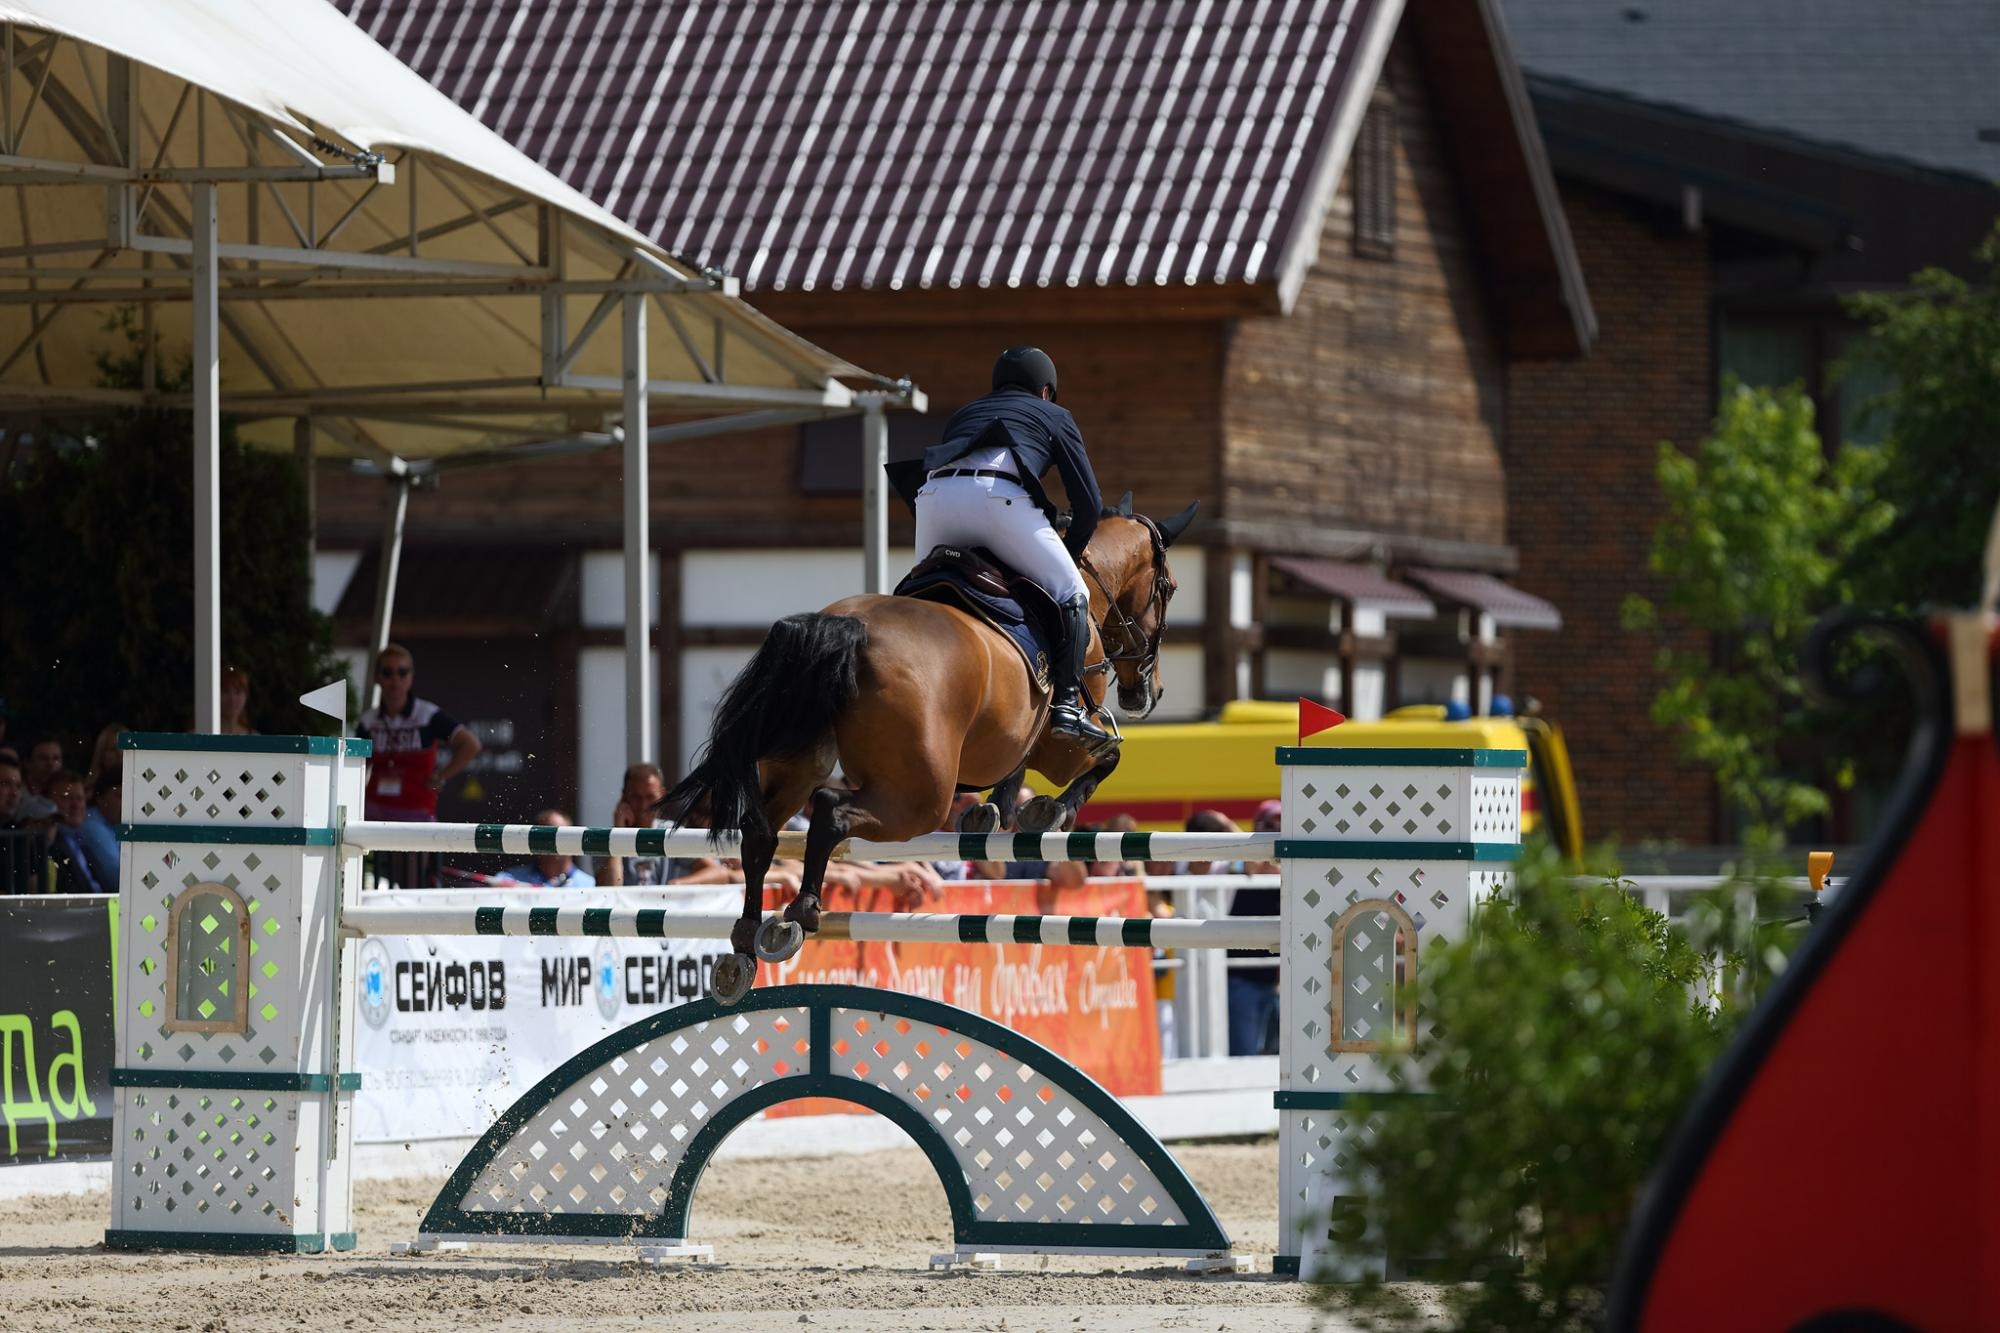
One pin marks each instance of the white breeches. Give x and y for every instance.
(996, 513)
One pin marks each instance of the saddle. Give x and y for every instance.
(973, 580)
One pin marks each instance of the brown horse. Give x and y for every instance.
(912, 700)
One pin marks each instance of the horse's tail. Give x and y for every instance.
(783, 703)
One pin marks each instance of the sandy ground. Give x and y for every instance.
(837, 1245)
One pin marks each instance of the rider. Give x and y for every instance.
(984, 489)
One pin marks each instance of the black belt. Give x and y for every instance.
(972, 472)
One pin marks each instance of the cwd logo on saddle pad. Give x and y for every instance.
(1041, 671)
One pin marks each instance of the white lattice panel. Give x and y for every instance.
(1488, 883)
(1031, 1151)
(1319, 1170)
(219, 789)
(1413, 804)
(610, 1144)
(223, 1161)
(1496, 807)
(1435, 895)
(286, 967)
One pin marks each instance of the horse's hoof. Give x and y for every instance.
(730, 981)
(1044, 814)
(778, 939)
(984, 818)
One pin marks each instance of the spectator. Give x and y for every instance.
(99, 834)
(21, 859)
(1117, 869)
(45, 760)
(1253, 991)
(236, 702)
(403, 773)
(35, 817)
(105, 754)
(73, 870)
(644, 785)
(552, 870)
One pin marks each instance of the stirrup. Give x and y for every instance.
(1074, 720)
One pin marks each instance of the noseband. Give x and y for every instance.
(1133, 645)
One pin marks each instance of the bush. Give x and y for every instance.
(1570, 1029)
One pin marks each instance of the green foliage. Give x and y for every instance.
(97, 626)
(1759, 529)
(1570, 1030)
(1939, 343)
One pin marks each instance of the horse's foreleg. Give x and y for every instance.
(1077, 795)
(1007, 796)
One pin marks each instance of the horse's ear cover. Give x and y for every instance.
(1171, 529)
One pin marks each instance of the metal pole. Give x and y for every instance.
(639, 729)
(207, 470)
(385, 581)
(874, 495)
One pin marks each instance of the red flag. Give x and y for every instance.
(1315, 718)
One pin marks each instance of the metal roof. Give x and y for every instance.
(1045, 143)
(1508, 605)
(1362, 585)
(1913, 80)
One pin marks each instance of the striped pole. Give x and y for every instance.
(542, 839)
(1236, 932)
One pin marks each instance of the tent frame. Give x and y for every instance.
(167, 215)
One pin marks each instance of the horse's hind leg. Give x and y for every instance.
(736, 970)
(993, 815)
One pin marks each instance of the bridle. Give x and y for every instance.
(1125, 627)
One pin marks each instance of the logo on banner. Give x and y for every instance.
(604, 971)
(376, 1001)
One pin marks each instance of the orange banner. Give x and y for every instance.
(1093, 1006)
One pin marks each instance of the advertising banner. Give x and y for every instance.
(451, 1031)
(1093, 1006)
(56, 1040)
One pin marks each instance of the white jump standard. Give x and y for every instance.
(241, 901)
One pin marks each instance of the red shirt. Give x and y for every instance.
(405, 757)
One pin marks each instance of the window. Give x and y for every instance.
(208, 947)
(1375, 977)
(1374, 168)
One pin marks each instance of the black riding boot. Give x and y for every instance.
(1068, 710)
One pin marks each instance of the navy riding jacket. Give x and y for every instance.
(1040, 434)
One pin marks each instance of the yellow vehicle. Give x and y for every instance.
(1171, 770)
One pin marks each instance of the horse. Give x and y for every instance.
(913, 701)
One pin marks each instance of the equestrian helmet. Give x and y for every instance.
(1028, 367)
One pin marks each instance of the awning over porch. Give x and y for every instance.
(1361, 585)
(1510, 607)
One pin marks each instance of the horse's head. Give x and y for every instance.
(1127, 566)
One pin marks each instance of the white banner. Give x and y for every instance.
(452, 1030)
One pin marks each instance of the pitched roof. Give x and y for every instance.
(1912, 80)
(976, 143)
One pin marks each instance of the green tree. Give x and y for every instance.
(1760, 527)
(1569, 1030)
(97, 626)
(1939, 345)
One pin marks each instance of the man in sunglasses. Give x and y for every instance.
(403, 773)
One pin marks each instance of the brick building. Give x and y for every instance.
(1720, 220)
(1286, 261)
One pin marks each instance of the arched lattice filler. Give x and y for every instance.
(1374, 977)
(1032, 1153)
(208, 950)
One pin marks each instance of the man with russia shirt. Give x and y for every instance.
(403, 774)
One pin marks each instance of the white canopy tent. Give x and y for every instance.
(357, 268)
